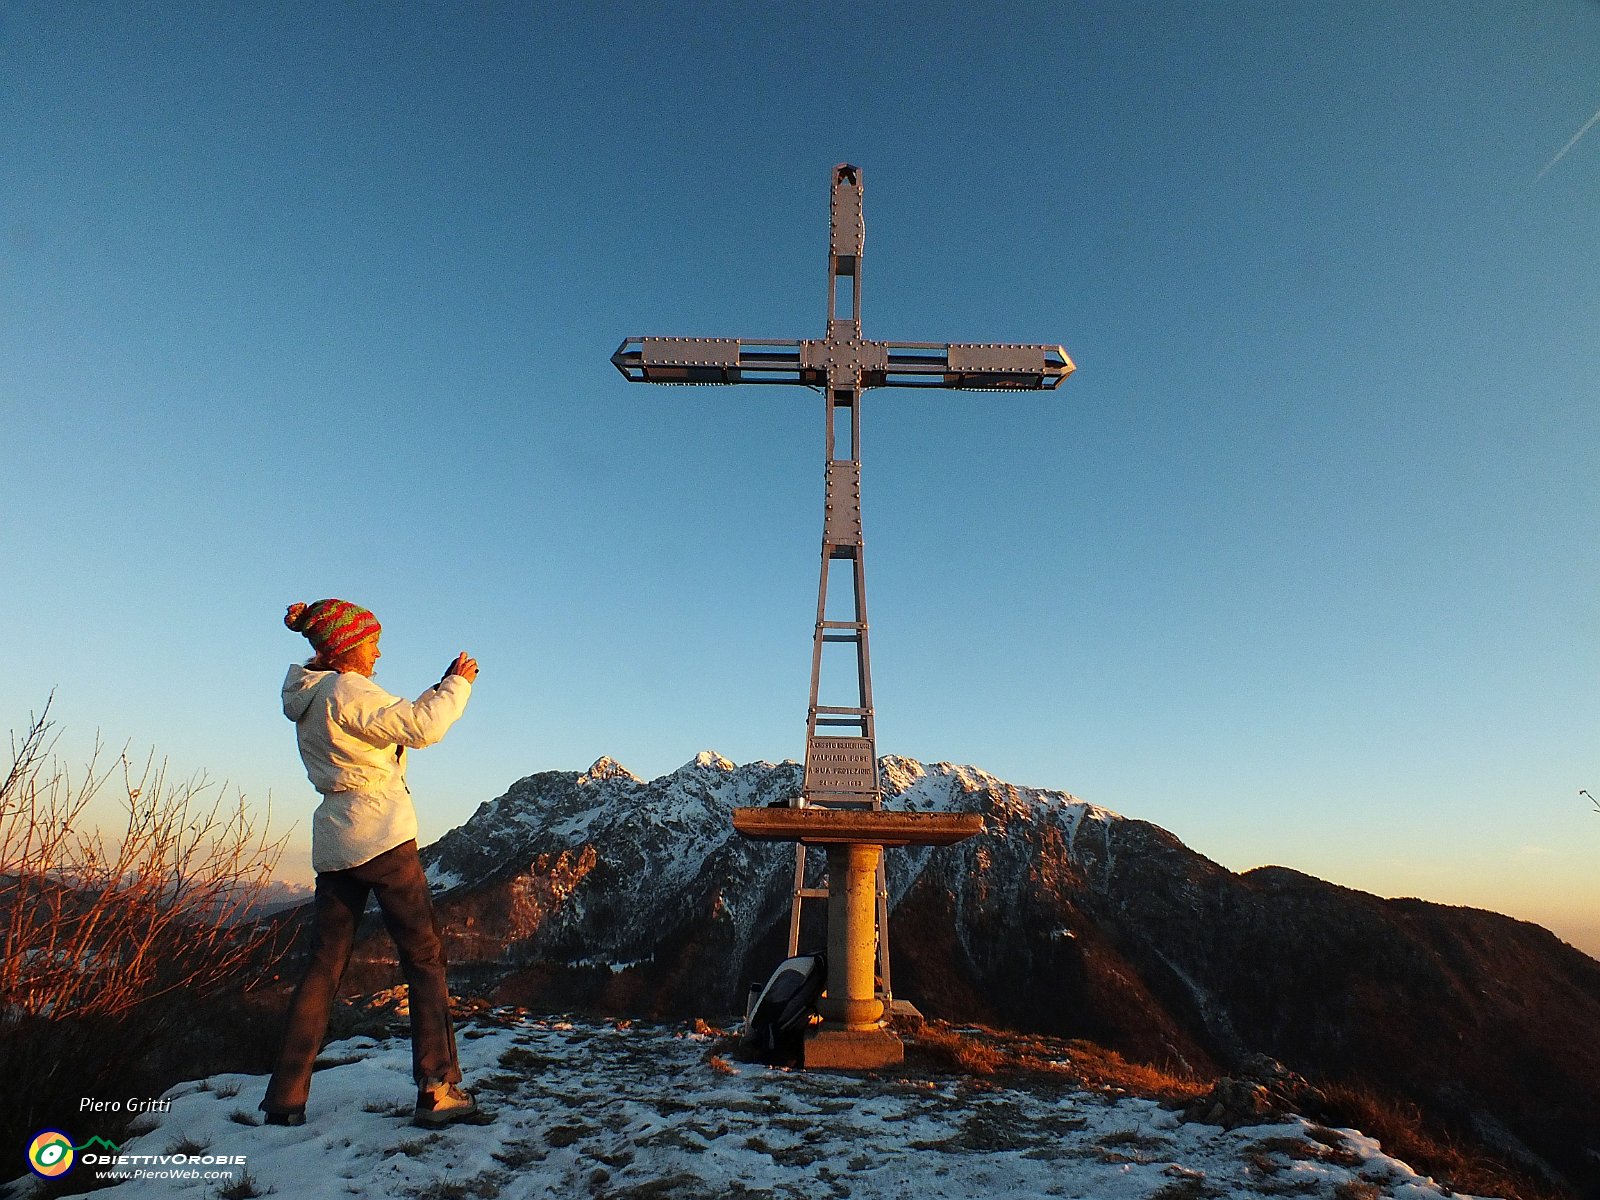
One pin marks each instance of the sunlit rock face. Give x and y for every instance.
(602, 891)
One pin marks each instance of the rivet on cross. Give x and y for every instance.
(841, 767)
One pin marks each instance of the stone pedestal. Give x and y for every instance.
(852, 999)
(852, 1034)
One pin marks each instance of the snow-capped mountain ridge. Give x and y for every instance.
(706, 789)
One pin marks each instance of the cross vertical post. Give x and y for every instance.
(841, 762)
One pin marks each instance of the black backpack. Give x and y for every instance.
(777, 1016)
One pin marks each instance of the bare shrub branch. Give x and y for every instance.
(95, 926)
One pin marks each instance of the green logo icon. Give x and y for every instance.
(50, 1154)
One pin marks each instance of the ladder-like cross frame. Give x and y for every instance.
(841, 767)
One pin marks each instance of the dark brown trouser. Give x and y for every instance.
(396, 878)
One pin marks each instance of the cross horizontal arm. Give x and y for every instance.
(712, 360)
(993, 367)
(973, 366)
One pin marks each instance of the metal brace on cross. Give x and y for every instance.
(841, 766)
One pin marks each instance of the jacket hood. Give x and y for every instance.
(298, 686)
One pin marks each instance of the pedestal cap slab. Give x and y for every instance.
(862, 827)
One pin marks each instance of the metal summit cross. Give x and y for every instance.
(841, 767)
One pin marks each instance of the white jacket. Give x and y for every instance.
(353, 737)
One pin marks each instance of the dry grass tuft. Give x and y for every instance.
(1109, 1070)
(977, 1050)
(1188, 1187)
(187, 1146)
(957, 1051)
(1405, 1132)
(246, 1187)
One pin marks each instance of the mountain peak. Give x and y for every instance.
(709, 759)
(605, 767)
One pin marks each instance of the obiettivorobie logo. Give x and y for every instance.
(52, 1154)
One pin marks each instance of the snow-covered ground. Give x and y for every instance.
(614, 1109)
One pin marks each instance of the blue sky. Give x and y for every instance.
(308, 300)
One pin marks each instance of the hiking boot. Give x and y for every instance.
(443, 1104)
(295, 1116)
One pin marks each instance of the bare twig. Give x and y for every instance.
(95, 926)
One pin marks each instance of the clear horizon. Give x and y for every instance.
(1300, 565)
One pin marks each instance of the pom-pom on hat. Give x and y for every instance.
(332, 626)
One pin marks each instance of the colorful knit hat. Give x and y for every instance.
(333, 626)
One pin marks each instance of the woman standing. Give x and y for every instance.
(353, 739)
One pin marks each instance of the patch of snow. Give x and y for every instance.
(616, 1108)
(616, 968)
(440, 880)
